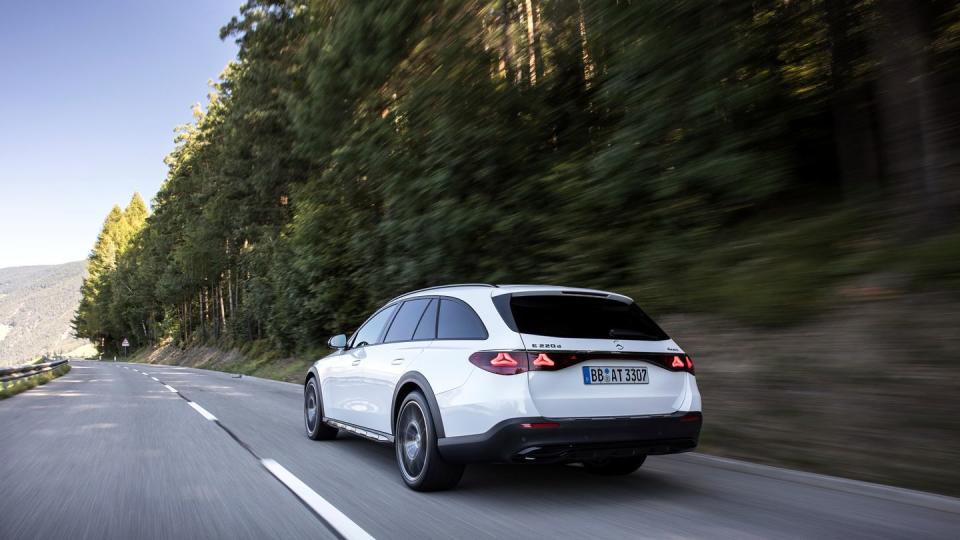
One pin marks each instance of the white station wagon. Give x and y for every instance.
(473, 373)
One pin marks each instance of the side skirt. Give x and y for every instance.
(371, 434)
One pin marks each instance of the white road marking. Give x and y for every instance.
(156, 379)
(337, 519)
(170, 388)
(203, 412)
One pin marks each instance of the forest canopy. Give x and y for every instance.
(357, 150)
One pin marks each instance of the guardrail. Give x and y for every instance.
(8, 374)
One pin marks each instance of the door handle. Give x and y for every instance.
(355, 363)
(396, 361)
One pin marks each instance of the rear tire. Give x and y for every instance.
(313, 413)
(614, 467)
(421, 466)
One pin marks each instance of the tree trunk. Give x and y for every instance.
(223, 314)
(914, 139)
(531, 13)
(186, 321)
(506, 42)
(852, 107)
(584, 49)
(230, 291)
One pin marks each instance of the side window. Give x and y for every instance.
(403, 325)
(427, 329)
(370, 332)
(458, 321)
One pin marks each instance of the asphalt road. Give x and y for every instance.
(108, 452)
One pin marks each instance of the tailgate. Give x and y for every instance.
(602, 378)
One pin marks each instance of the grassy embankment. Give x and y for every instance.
(821, 344)
(12, 388)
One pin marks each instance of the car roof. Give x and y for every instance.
(497, 290)
(559, 289)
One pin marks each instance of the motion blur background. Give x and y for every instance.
(777, 182)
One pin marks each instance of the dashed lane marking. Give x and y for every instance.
(336, 520)
(203, 412)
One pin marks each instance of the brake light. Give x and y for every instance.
(501, 362)
(554, 361)
(504, 360)
(516, 362)
(543, 360)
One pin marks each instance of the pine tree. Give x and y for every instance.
(90, 318)
(135, 215)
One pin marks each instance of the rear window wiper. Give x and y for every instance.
(632, 334)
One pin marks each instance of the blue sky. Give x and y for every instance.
(90, 93)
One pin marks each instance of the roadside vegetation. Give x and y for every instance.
(12, 388)
(763, 168)
(734, 157)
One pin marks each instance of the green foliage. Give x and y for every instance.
(109, 301)
(356, 150)
(934, 262)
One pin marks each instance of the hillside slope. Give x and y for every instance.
(36, 306)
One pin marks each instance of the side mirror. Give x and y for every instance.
(338, 341)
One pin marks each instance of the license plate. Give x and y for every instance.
(614, 375)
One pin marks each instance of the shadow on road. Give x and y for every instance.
(531, 482)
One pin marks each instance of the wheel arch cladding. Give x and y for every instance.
(312, 372)
(411, 381)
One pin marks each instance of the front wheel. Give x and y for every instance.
(614, 467)
(313, 413)
(421, 466)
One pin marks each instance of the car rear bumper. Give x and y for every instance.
(547, 440)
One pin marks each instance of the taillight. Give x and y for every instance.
(677, 362)
(555, 361)
(503, 359)
(501, 362)
(516, 362)
(543, 360)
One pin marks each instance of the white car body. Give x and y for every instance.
(361, 386)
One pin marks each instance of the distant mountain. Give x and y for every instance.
(36, 305)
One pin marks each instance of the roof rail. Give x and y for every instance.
(443, 287)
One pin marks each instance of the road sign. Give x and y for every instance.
(126, 342)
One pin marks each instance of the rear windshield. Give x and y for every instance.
(582, 317)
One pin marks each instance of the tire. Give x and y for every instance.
(421, 466)
(313, 413)
(614, 467)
